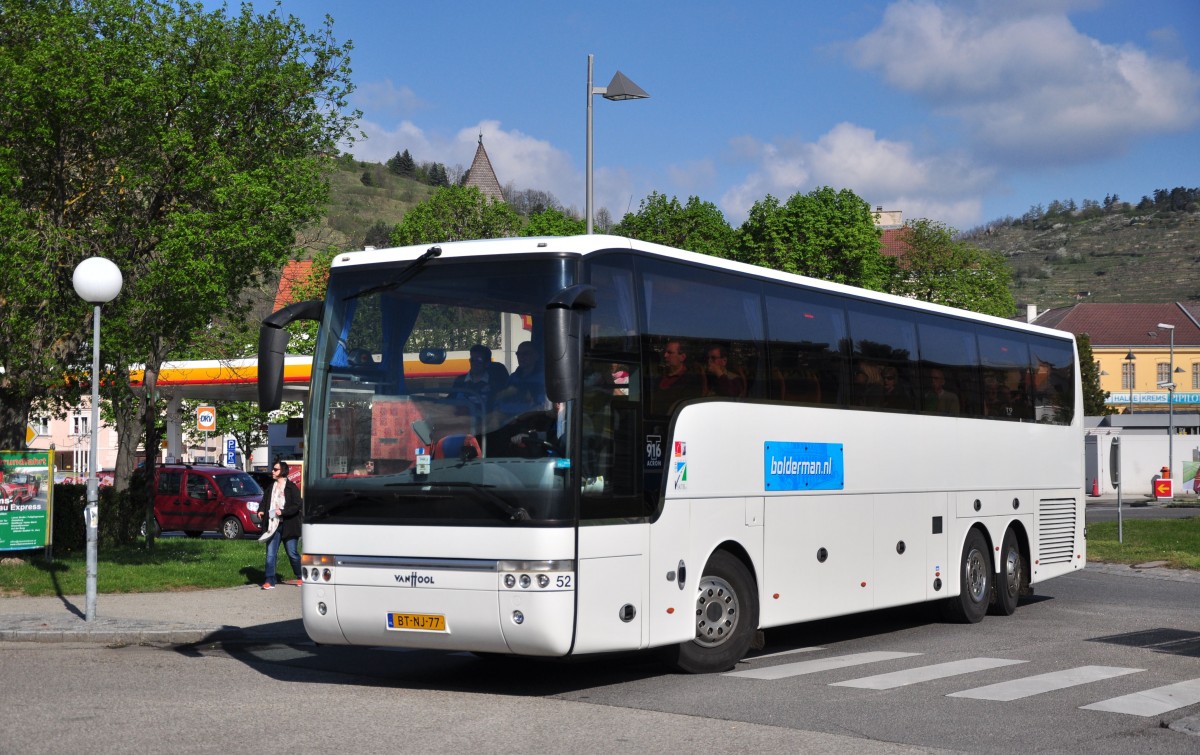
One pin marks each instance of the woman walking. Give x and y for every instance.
(283, 503)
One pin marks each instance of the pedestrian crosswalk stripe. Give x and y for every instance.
(800, 668)
(926, 673)
(785, 652)
(1036, 685)
(1152, 702)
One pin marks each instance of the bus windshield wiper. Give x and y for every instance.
(515, 513)
(405, 276)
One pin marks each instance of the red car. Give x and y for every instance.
(17, 488)
(199, 499)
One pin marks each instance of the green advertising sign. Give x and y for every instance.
(26, 500)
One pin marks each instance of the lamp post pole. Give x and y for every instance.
(620, 88)
(96, 281)
(1129, 371)
(1170, 404)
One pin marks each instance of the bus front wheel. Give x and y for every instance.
(975, 582)
(726, 615)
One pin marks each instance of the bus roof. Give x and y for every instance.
(588, 244)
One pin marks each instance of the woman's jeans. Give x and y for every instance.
(291, 546)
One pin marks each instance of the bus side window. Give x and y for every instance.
(807, 339)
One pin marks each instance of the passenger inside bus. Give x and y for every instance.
(720, 376)
(526, 388)
(895, 393)
(483, 381)
(938, 400)
(678, 382)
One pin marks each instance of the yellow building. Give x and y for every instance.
(1146, 353)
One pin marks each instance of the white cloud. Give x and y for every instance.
(383, 99)
(1025, 83)
(945, 187)
(692, 178)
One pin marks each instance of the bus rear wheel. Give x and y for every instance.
(1013, 579)
(975, 582)
(726, 618)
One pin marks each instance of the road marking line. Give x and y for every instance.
(784, 652)
(799, 668)
(926, 673)
(1036, 685)
(1153, 701)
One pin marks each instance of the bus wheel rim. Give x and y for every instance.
(717, 612)
(976, 574)
(1012, 572)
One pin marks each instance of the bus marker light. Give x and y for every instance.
(670, 610)
(510, 580)
(525, 581)
(322, 608)
(518, 617)
(775, 596)
(543, 580)
(863, 584)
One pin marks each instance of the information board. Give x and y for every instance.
(26, 500)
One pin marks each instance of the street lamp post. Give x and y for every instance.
(1170, 386)
(620, 88)
(96, 281)
(1129, 371)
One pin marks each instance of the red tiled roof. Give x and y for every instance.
(296, 271)
(894, 242)
(1125, 325)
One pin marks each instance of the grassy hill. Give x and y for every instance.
(1123, 256)
(1129, 256)
(355, 205)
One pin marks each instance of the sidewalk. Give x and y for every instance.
(246, 613)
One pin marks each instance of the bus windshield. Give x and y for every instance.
(432, 400)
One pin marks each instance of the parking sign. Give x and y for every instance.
(230, 452)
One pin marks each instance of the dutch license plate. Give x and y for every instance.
(425, 622)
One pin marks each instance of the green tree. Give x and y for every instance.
(456, 213)
(553, 222)
(824, 234)
(188, 146)
(941, 269)
(696, 226)
(402, 164)
(1095, 400)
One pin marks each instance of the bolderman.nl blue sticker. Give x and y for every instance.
(803, 466)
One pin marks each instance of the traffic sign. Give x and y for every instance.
(230, 452)
(206, 418)
(30, 434)
(1162, 488)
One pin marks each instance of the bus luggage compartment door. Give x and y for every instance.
(612, 577)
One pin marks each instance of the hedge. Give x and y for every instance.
(121, 515)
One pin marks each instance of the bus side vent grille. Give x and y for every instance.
(1056, 531)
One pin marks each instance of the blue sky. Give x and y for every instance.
(961, 112)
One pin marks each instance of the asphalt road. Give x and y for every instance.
(817, 687)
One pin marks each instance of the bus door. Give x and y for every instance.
(613, 529)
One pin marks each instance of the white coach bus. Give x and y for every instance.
(658, 449)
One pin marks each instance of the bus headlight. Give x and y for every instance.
(546, 574)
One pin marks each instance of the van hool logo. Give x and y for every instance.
(414, 579)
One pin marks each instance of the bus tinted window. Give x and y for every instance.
(808, 342)
(697, 313)
(948, 348)
(1004, 358)
(1052, 362)
(613, 323)
(883, 338)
